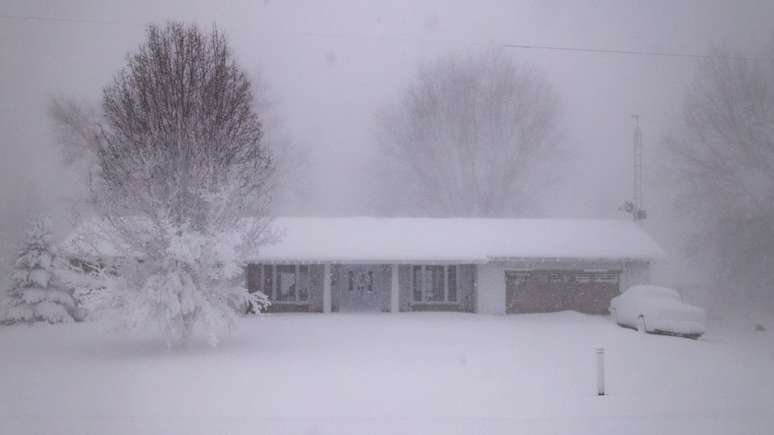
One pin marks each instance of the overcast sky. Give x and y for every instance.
(331, 64)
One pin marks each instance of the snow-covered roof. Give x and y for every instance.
(368, 239)
(405, 240)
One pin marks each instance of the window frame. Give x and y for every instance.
(424, 270)
(275, 282)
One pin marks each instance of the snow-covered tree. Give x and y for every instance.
(35, 294)
(470, 136)
(181, 183)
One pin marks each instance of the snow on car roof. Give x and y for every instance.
(648, 289)
(473, 240)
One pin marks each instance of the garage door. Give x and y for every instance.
(544, 291)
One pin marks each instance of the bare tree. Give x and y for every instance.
(723, 160)
(468, 138)
(179, 166)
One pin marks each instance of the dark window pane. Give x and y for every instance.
(286, 283)
(351, 278)
(437, 283)
(268, 285)
(303, 282)
(452, 281)
(417, 279)
(253, 277)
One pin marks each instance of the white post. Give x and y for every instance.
(327, 288)
(394, 290)
(600, 371)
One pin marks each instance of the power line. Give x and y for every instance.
(57, 19)
(593, 50)
(539, 47)
(636, 52)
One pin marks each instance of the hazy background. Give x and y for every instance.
(330, 64)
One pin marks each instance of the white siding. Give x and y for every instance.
(490, 289)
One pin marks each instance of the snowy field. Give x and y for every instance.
(413, 373)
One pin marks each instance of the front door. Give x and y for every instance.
(360, 288)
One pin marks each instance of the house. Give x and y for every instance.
(492, 266)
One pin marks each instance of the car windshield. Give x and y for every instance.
(386, 217)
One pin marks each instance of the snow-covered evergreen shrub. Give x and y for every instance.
(35, 294)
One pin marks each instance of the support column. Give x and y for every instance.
(327, 288)
(394, 290)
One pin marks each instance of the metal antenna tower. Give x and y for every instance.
(636, 207)
(638, 203)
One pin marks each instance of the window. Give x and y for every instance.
(253, 277)
(417, 278)
(286, 282)
(451, 280)
(268, 283)
(435, 283)
(370, 281)
(303, 282)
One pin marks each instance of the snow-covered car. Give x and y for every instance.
(657, 310)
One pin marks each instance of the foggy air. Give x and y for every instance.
(396, 217)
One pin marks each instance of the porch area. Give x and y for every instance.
(364, 287)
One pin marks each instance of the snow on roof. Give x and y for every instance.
(368, 239)
(405, 240)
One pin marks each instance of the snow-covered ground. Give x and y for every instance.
(413, 373)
